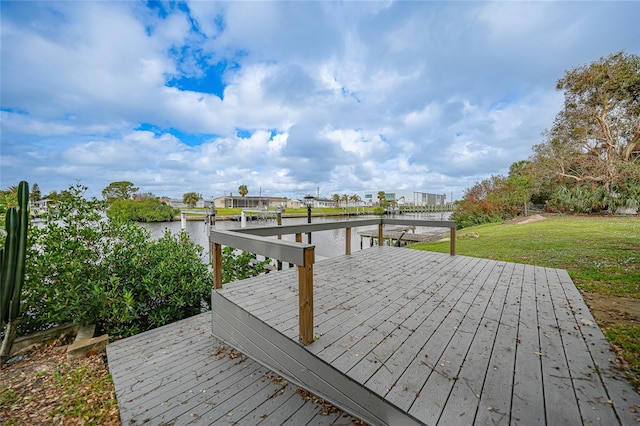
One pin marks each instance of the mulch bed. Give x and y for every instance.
(41, 387)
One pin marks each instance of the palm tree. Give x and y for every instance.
(345, 198)
(382, 199)
(336, 199)
(356, 200)
(243, 191)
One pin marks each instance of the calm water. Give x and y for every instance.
(328, 243)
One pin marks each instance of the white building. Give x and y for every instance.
(407, 198)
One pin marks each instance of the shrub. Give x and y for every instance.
(161, 282)
(465, 219)
(238, 265)
(146, 210)
(83, 267)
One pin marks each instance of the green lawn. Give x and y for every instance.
(601, 254)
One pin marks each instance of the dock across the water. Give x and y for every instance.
(399, 236)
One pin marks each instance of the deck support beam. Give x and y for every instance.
(305, 297)
(380, 234)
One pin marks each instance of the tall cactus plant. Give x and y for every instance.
(12, 259)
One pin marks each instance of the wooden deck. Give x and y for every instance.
(412, 337)
(180, 374)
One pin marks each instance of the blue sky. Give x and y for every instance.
(288, 97)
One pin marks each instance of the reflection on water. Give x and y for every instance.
(328, 243)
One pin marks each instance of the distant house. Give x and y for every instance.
(294, 204)
(407, 198)
(40, 207)
(249, 202)
(179, 204)
(324, 203)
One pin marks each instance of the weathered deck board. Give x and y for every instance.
(176, 375)
(447, 340)
(581, 362)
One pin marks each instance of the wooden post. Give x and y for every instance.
(216, 251)
(347, 238)
(452, 248)
(279, 221)
(380, 234)
(305, 297)
(298, 240)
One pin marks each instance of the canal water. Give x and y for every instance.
(328, 243)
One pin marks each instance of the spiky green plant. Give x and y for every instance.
(12, 261)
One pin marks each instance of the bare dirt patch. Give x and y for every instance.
(526, 219)
(610, 310)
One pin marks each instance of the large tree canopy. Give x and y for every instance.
(589, 160)
(121, 190)
(595, 138)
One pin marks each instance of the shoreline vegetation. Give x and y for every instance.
(234, 214)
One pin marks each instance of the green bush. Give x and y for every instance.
(238, 265)
(583, 199)
(83, 267)
(146, 210)
(159, 283)
(464, 219)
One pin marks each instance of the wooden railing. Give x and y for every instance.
(254, 240)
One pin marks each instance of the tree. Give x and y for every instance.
(191, 198)
(496, 198)
(336, 199)
(8, 198)
(145, 196)
(382, 199)
(243, 191)
(53, 196)
(345, 198)
(121, 190)
(595, 139)
(145, 210)
(36, 195)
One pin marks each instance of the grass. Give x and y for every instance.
(601, 254)
(81, 387)
(626, 338)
